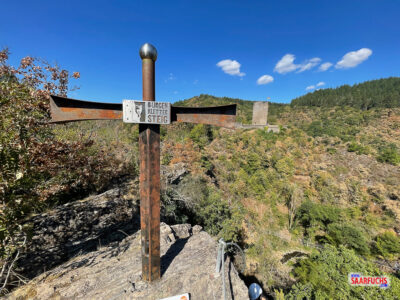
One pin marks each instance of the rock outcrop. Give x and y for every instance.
(188, 257)
(78, 227)
(83, 226)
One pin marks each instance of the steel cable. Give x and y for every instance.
(221, 258)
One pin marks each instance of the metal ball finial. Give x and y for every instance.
(148, 51)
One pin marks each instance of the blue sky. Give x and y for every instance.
(251, 41)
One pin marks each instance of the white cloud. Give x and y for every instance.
(231, 67)
(316, 86)
(353, 58)
(325, 66)
(176, 92)
(265, 79)
(196, 81)
(170, 77)
(309, 64)
(286, 65)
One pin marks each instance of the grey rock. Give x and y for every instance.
(114, 272)
(78, 227)
(196, 229)
(173, 174)
(182, 231)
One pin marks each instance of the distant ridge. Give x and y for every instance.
(244, 107)
(375, 93)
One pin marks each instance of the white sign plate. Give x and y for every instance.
(146, 112)
(179, 297)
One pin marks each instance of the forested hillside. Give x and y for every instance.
(375, 93)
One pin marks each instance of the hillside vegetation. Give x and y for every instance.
(328, 181)
(310, 204)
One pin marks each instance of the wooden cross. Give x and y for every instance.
(149, 115)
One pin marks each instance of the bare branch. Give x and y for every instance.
(11, 266)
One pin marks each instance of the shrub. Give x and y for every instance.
(201, 135)
(252, 163)
(331, 150)
(166, 158)
(387, 244)
(313, 214)
(285, 166)
(349, 236)
(212, 211)
(38, 171)
(232, 225)
(324, 275)
(205, 205)
(389, 154)
(323, 183)
(359, 149)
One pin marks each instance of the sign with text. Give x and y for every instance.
(146, 112)
(178, 297)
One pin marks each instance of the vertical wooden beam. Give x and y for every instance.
(149, 150)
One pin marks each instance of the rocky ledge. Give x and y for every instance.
(188, 257)
(78, 227)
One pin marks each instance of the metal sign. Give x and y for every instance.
(146, 112)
